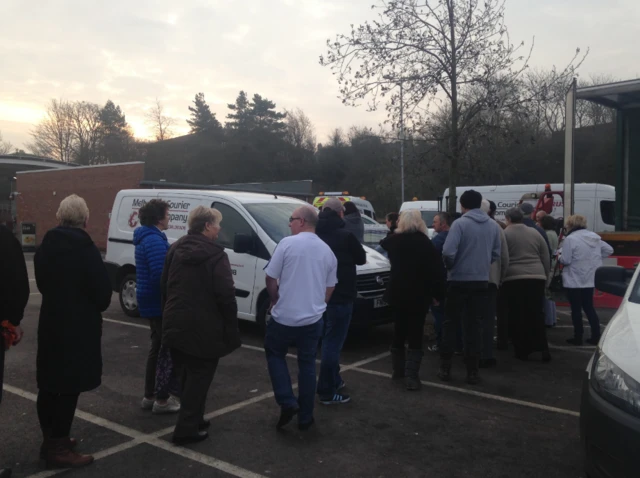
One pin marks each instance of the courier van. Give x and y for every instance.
(596, 202)
(252, 226)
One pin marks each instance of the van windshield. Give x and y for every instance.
(428, 216)
(273, 218)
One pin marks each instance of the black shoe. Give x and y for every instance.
(444, 373)
(5, 473)
(523, 357)
(502, 346)
(181, 441)
(204, 425)
(472, 377)
(303, 427)
(546, 356)
(488, 363)
(593, 341)
(286, 415)
(574, 341)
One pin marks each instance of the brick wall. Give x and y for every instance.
(42, 191)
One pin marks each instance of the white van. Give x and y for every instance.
(428, 210)
(252, 226)
(596, 202)
(364, 206)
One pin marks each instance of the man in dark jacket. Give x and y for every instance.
(200, 316)
(527, 210)
(14, 295)
(151, 249)
(349, 253)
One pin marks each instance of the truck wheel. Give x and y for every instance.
(128, 300)
(263, 316)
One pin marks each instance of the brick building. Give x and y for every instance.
(40, 193)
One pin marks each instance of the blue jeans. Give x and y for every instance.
(582, 299)
(336, 327)
(277, 341)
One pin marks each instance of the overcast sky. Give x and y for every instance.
(132, 51)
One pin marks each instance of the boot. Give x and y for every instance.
(398, 362)
(412, 369)
(472, 371)
(5, 473)
(444, 373)
(59, 455)
(43, 448)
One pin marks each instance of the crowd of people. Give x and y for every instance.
(475, 270)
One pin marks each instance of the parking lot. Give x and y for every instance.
(521, 421)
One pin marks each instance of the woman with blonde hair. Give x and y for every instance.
(200, 316)
(417, 277)
(581, 254)
(75, 289)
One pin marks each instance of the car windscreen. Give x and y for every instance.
(428, 216)
(273, 218)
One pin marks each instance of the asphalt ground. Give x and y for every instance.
(521, 421)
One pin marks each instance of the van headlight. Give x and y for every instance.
(615, 386)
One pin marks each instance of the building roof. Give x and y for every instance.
(620, 95)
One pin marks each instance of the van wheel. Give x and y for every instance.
(263, 316)
(128, 300)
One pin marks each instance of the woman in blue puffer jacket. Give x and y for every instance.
(151, 249)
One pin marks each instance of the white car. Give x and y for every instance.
(610, 406)
(252, 226)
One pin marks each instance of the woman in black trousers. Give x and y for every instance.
(417, 277)
(75, 290)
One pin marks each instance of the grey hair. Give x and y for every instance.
(411, 221)
(73, 212)
(514, 215)
(201, 216)
(485, 206)
(310, 215)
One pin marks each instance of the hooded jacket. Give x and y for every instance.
(75, 289)
(151, 249)
(14, 280)
(355, 225)
(472, 245)
(200, 313)
(347, 250)
(581, 253)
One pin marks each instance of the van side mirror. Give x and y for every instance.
(243, 244)
(612, 280)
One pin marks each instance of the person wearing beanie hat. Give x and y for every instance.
(472, 245)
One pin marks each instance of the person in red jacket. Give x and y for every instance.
(547, 201)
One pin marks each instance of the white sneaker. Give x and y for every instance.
(147, 403)
(172, 406)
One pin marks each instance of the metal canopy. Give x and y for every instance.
(621, 95)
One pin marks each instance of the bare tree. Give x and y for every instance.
(425, 50)
(54, 135)
(5, 146)
(84, 119)
(161, 124)
(300, 131)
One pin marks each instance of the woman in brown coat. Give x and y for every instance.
(200, 322)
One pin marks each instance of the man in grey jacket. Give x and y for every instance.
(472, 245)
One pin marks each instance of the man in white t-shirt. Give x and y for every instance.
(307, 271)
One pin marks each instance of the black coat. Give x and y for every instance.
(348, 251)
(200, 313)
(75, 289)
(417, 274)
(14, 280)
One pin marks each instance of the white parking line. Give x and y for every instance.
(475, 393)
(139, 438)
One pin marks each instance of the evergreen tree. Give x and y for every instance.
(240, 119)
(118, 144)
(202, 119)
